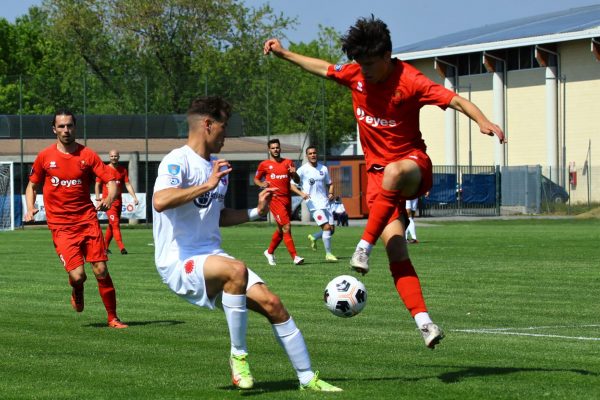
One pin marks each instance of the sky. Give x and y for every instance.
(409, 21)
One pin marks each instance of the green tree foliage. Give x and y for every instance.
(129, 56)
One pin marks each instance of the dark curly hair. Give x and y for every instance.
(368, 37)
(213, 106)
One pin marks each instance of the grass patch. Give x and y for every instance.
(518, 301)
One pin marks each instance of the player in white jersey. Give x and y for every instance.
(316, 189)
(188, 208)
(411, 230)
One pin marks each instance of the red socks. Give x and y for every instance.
(408, 286)
(289, 243)
(108, 295)
(275, 240)
(380, 213)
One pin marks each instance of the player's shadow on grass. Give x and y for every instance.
(476, 372)
(140, 323)
(265, 387)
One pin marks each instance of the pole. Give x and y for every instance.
(146, 142)
(21, 129)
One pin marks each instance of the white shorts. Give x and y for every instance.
(412, 204)
(186, 279)
(322, 216)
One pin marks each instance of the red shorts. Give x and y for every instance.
(375, 179)
(79, 243)
(281, 208)
(114, 213)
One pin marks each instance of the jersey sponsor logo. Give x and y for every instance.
(375, 122)
(56, 181)
(207, 198)
(275, 176)
(173, 169)
(174, 181)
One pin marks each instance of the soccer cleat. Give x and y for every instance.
(318, 385)
(330, 257)
(123, 251)
(270, 258)
(432, 335)
(117, 324)
(298, 260)
(313, 242)
(360, 261)
(240, 372)
(108, 251)
(413, 241)
(77, 300)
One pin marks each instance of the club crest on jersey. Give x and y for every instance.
(82, 164)
(311, 181)
(173, 169)
(338, 67)
(52, 165)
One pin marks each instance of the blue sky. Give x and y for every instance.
(409, 21)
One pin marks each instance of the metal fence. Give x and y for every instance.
(463, 190)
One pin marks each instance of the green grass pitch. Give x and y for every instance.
(518, 300)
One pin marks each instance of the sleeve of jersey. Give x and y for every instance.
(432, 93)
(126, 174)
(260, 172)
(170, 174)
(341, 73)
(103, 172)
(36, 175)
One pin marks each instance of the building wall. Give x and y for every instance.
(526, 110)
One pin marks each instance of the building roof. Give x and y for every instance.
(571, 24)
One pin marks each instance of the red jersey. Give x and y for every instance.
(122, 178)
(66, 180)
(388, 112)
(277, 174)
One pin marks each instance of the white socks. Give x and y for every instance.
(236, 314)
(327, 241)
(422, 319)
(290, 338)
(410, 229)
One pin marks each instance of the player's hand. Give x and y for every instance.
(264, 198)
(491, 129)
(29, 214)
(292, 169)
(265, 185)
(104, 204)
(221, 168)
(136, 202)
(305, 196)
(273, 46)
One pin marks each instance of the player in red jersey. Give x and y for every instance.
(114, 213)
(65, 171)
(276, 172)
(387, 95)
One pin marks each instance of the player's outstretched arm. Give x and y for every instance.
(313, 65)
(230, 216)
(486, 127)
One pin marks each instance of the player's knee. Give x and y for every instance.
(276, 312)
(238, 274)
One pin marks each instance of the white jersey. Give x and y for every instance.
(192, 228)
(315, 182)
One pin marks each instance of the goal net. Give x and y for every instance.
(7, 195)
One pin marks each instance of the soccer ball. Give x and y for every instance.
(345, 296)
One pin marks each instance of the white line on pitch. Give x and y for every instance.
(529, 328)
(499, 332)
